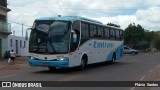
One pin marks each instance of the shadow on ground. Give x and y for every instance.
(90, 67)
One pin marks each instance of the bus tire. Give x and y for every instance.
(52, 68)
(83, 63)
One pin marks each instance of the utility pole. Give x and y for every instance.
(22, 29)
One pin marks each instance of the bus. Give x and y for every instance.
(70, 41)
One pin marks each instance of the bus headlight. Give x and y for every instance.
(33, 58)
(61, 58)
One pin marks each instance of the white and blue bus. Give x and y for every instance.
(69, 41)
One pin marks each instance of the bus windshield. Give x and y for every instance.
(50, 37)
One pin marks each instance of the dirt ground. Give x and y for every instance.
(20, 64)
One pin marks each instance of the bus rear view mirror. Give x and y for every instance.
(74, 36)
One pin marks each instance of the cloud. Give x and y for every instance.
(149, 15)
(149, 19)
(121, 12)
(123, 21)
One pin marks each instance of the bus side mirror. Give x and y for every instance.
(26, 35)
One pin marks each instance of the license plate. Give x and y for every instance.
(45, 63)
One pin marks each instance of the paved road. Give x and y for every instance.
(142, 67)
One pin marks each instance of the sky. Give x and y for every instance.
(121, 12)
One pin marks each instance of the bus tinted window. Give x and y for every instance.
(85, 30)
(111, 33)
(121, 34)
(100, 32)
(76, 25)
(106, 31)
(117, 34)
(93, 31)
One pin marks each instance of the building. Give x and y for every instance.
(18, 44)
(5, 28)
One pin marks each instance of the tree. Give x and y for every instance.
(112, 24)
(157, 40)
(134, 34)
(149, 36)
(137, 36)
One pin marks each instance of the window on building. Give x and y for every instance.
(20, 43)
(3, 3)
(24, 44)
(10, 42)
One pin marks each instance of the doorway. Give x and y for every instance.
(16, 46)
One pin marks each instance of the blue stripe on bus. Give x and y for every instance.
(49, 63)
(118, 51)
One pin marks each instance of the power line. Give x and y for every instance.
(19, 23)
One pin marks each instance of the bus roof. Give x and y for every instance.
(73, 18)
(70, 18)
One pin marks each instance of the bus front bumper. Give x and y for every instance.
(49, 63)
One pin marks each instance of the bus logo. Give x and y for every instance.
(97, 44)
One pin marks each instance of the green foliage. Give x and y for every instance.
(112, 24)
(149, 36)
(157, 41)
(134, 34)
(137, 36)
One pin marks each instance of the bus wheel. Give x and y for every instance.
(83, 64)
(52, 68)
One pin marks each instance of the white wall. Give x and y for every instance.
(22, 51)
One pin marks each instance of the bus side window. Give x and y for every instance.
(121, 35)
(84, 32)
(76, 25)
(91, 31)
(100, 32)
(111, 34)
(117, 34)
(106, 33)
(95, 31)
(114, 34)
